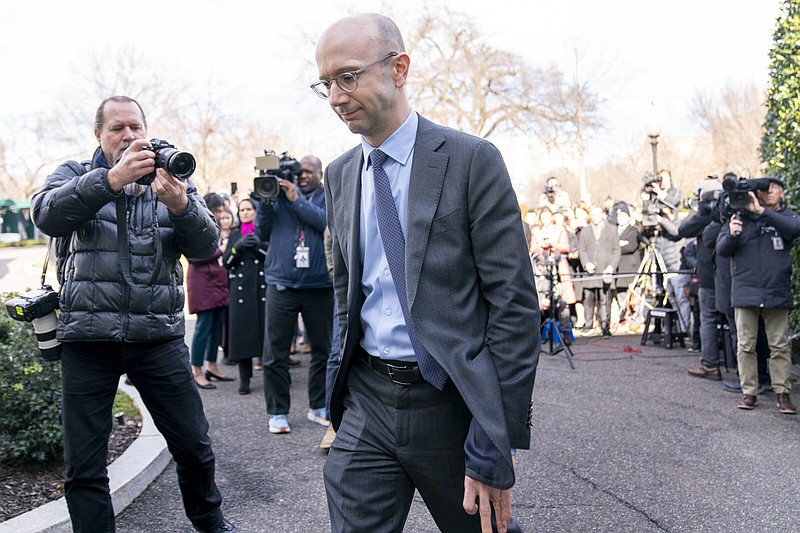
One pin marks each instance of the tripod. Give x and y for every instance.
(646, 291)
(552, 327)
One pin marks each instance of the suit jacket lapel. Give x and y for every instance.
(350, 216)
(427, 178)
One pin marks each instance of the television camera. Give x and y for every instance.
(272, 167)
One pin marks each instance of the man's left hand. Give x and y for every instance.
(755, 206)
(481, 497)
(171, 191)
(289, 190)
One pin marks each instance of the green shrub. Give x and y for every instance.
(30, 397)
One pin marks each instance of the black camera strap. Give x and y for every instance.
(124, 248)
(50, 243)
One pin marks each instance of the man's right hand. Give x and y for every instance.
(134, 164)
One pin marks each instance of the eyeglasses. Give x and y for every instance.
(347, 81)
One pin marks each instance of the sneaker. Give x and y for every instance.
(705, 372)
(784, 403)
(747, 402)
(279, 424)
(319, 416)
(693, 349)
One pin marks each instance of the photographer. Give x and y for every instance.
(694, 226)
(553, 197)
(666, 193)
(297, 282)
(121, 303)
(758, 240)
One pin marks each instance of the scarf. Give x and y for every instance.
(248, 227)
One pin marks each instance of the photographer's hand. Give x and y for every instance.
(735, 226)
(133, 164)
(171, 191)
(289, 189)
(754, 206)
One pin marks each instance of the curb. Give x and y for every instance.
(129, 475)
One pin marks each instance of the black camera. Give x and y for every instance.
(549, 191)
(179, 164)
(738, 191)
(39, 306)
(272, 167)
(648, 182)
(710, 202)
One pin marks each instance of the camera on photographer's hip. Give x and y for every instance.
(39, 307)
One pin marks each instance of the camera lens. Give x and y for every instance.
(181, 165)
(266, 187)
(45, 328)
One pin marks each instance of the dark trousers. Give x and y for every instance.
(332, 367)
(709, 334)
(207, 335)
(90, 373)
(393, 439)
(599, 297)
(282, 309)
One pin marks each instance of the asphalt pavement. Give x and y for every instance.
(625, 442)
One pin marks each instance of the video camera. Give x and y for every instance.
(652, 205)
(649, 181)
(270, 168)
(710, 202)
(39, 306)
(737, 192)
(179, 164)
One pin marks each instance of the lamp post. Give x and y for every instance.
(654, 131)
(654, 144)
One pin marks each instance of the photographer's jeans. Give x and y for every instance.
(90, 373)
(709, 334)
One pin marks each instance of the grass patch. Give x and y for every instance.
(124, 403)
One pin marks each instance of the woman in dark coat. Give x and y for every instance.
(207, 288)
(244, 258)
(630, 259)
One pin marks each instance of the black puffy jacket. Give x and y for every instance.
(97, 303)
(761, 275)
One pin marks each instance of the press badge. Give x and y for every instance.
(302, 259)
(777, 243)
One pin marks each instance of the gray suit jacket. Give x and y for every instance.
(469, 282)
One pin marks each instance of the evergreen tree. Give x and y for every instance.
(780, 146)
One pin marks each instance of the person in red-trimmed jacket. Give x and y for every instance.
(207, 285)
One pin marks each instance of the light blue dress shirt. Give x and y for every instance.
(382, 321)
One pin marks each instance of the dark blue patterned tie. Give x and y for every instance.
(394, 245)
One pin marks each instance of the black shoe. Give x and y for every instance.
(210, 375)
(207, 386)
(224, 527)
(606, 334)
(732, 386)
(244, 387)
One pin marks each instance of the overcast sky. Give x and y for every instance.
(660, 52)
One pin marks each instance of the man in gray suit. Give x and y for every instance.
(438, 311)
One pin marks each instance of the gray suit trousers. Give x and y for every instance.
(393, 439)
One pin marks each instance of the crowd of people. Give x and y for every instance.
(418, 299)
(599, 250)
(724, 268)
